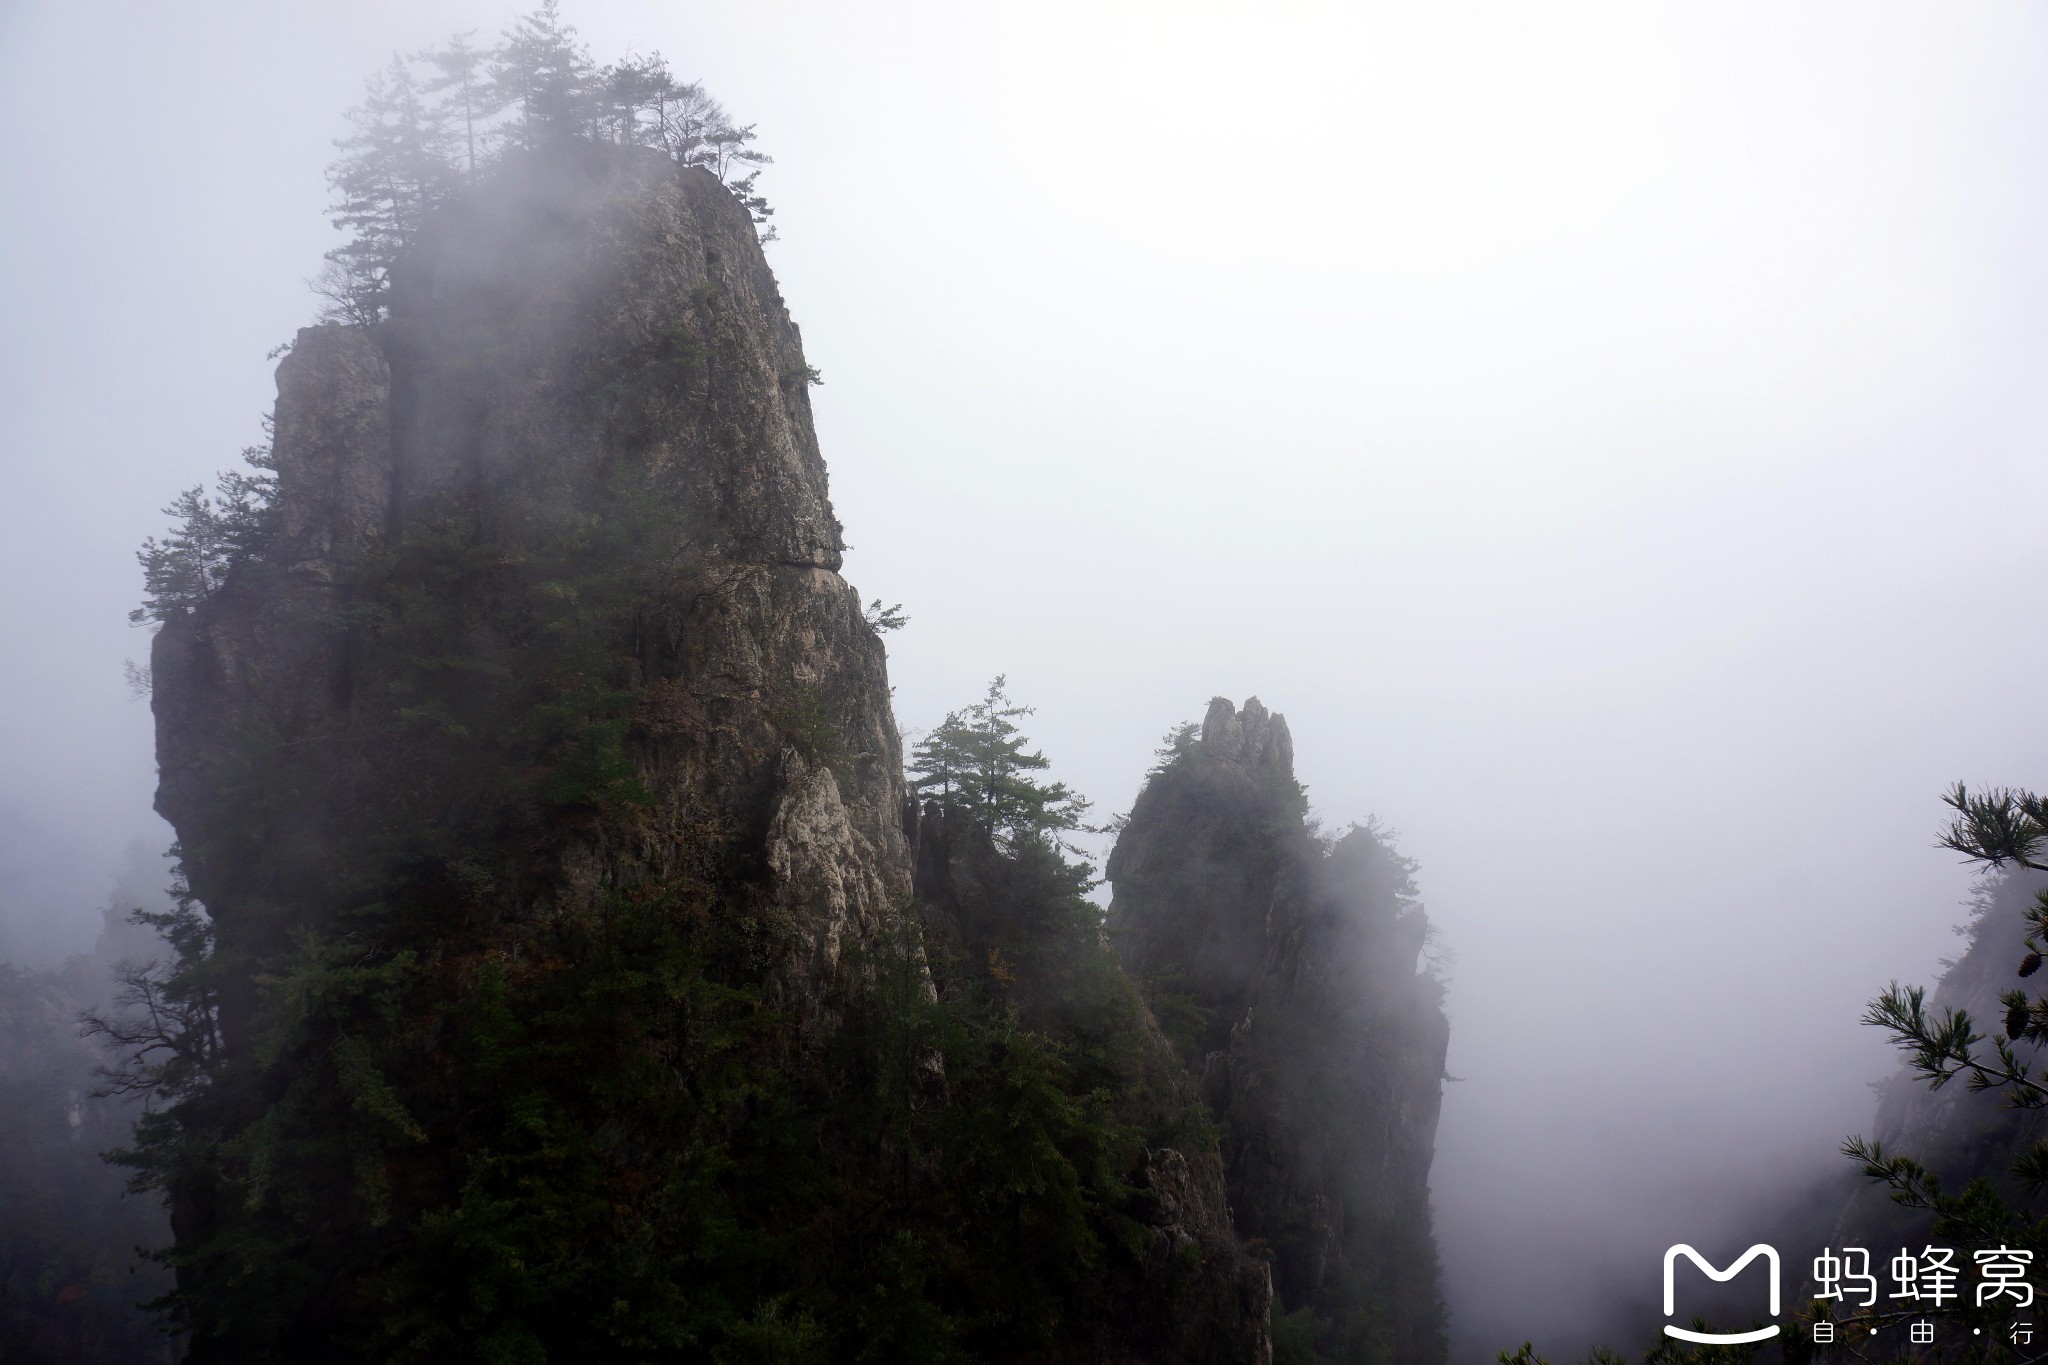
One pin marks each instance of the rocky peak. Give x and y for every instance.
(1254, 737)
(577, 310)
(1287, 969)
(1199, 863)
(584, 346)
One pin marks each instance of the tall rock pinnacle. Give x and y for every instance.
(1287, 967)
(584, 347)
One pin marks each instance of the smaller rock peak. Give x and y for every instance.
(1254, 736)
(1220, 728)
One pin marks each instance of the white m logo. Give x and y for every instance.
(1719, 1276)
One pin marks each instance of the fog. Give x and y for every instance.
(1609, 433)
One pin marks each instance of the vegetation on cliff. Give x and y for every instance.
(421, 134)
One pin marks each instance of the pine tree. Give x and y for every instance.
(460, 75)
(542, 70)
(975, 763)
(393, 170)
(631, 96)
(210, 536)
(643, 105)
(1992, 827)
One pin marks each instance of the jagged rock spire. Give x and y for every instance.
(1290, 970)
(1254, 736)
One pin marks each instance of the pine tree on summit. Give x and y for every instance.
(543, 72)
(538, 87)
(459, 74)
(640, 103)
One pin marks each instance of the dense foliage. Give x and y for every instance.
(429, 125)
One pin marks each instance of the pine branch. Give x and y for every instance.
(1996, 826)
(1944, 1047)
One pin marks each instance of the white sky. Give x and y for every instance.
(1610, 433)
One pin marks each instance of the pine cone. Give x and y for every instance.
(2016, 1021)
(2030, 964)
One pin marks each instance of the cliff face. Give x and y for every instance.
(589, 347)
(1288, 972)
(536, 773)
